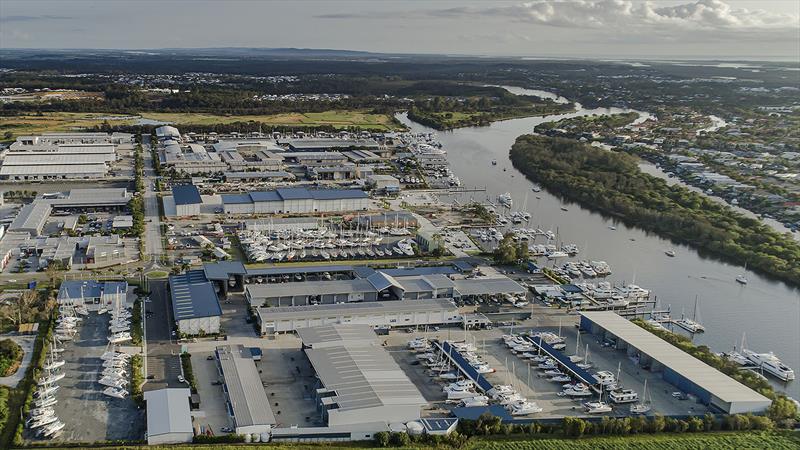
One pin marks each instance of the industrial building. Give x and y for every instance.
(278, 175)
(195, 305)
(190, 159)
(247, 403)
(296, 201)
(61, 156)
(92, 294)
(56, 138)
(358, 381)
(343, 171)
(370, 285)
(321, 145)
(689, 374)
(253, 160)
(315, 159)
(187, 200)
(169, 420)
(384, 183)
(409, 313)
(168, 132)
(31, 218)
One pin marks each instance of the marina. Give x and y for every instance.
(630, 251)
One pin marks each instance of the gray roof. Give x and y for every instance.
(80, 289)
(331, 143)
(488, 286)
(362, 374)
(380, 281)
(223, 270)
(331, 287)
(168, 411)
(701, 374)
(382, 307)
(247, 175)
(294, 194)
(193, 296)
(248, 400)
(319, 337)
(186, 194)
(32, 216)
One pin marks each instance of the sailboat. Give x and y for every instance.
(741, 278)
(644, 406)
(692, 325)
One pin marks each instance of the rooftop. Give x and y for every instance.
(193, 296)
(186, 194)
(701, 374)
(168, 411)
(248, 400)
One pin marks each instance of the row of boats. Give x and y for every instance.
(261, 248)
(765, 362)
(585, 269)
(551, 368)
(463, 391)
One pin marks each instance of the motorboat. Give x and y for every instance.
(605, 377)
(505, 200)
(670, 253)
(478, 400)
(560, 378)
(523, 408)
(623, 396)
(509, 398)
(115, 392)
(499, 389)
(483, 368)
(113, 382)
(113, 372)
(736, 357)
(741, 279)
(577, 390)
(597, 407)
(553, 372)
(120, 337)
(459, 390)
(770, 363)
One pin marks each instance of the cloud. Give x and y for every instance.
(7, 19)
(627, 15)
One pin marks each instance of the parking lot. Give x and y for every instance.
(88, 414)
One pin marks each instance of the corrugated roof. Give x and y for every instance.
(383, 307)
(186, 194)
(193, 296)
(248, 400)
(308, 288)
(168, 411)
(488, 286)
(701, 374)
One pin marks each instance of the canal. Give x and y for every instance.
(766, 310)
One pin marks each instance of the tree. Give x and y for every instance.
(381, 439)
(399, 439)
(506, 252)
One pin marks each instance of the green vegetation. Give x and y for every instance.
(782, 411)
(136, 322)
(612, 183)
(188, 372)
(137, 202)
(155, 274)
(10, 357)
(510, 252)
(137, 380)
(595, 122)
(5, 392)
(446, 113)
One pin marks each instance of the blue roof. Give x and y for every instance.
(193, 296)
(294, 193)
(419, 271)
(236, 198)
(438, 423)
(265, 196)
(186, 194)
(463, 266)
(90, 289)
(464, 366)
(571, 288)
(363, 271)
(584, 376)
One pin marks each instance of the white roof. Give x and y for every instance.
(58, 169)
(168, 411)
(701, 374)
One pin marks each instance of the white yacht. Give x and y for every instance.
(115, 392)
(500, 389)
(623, 396)
(509, 398)
(597, 407)
(560, 378)
(770, 363)
(478, 400)
(120, 337)
(111, 381)
(505, 200)
(577, 390)
(605, 377)
(523, 408)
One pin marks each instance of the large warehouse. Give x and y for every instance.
(410, 313)
(677, 367)
(296, 201)
(195, 305)
(169, 420)
(187, 200)
(244, 392)
(60, 156)
(358, 381)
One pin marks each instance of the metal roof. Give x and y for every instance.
(307, 288)
(32, 216)
(168, 411)
(83, 289)
(383, 307)
(360, 373)
(186, 194)
(701, 374)
(193, 296)
(283, 194)
(223, 270)
(246, 175)
(61, 169)
(488, 286)
(318, 337)
(44, 159)
(380, 281)
(246, 394)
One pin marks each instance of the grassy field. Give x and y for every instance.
(65, 121)
(715, 441)
(157, 274)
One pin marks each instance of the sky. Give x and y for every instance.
(723, 29)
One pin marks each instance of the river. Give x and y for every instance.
(767, 311)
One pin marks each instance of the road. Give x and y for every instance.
(153, 247)
(163, 362)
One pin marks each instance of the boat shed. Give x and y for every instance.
(169, 420)
(187, 200)
(195, 305)
(677, 367)
(246, 399)
(31, 218)
(358, 381)
(403, 313)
